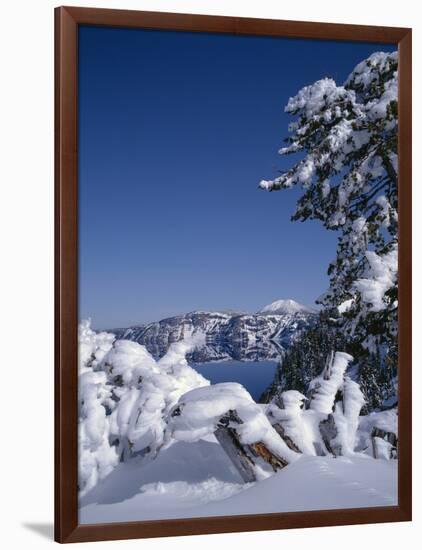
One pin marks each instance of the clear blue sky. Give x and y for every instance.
(175, 132)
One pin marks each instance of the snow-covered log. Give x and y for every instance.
(239, 424)
(244, 456)
(229, 441)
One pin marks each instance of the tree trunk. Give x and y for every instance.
(245, 457)
(328, 431)
(278, 427)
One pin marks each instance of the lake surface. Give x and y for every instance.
(255, 376)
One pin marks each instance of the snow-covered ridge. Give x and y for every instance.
(285, 307)
(228, 335)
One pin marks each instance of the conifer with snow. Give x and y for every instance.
(346, 138)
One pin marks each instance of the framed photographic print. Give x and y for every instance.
(233, 274)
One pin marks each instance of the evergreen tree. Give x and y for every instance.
(306, 357)
(346, 137)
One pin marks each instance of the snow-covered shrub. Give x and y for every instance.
(124, 399)
(327, 420)
(96, 456)
(146, 391)
(92, 346)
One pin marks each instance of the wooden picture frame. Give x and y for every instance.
(67, 21)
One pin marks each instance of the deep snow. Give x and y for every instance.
(148, 451)
(197, 479)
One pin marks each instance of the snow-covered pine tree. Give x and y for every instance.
(346, 138)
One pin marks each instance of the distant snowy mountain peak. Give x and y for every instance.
(285, 307)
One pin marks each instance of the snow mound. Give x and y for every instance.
(285, 307)
(311, 483)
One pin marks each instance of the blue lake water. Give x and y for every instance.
(255, 376)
